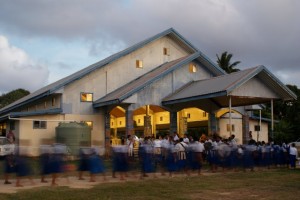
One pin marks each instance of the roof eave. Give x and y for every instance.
(195, 98)
(42, 112)
(24, 103)
(106, 103)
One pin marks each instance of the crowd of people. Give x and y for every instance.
(166, 155)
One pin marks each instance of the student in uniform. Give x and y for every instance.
(198, 151)
(180, 148)
(293, 155)
(96, 165)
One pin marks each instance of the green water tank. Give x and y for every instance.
(74, 135)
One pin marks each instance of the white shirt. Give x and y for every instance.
(293, 151)
(198, 147)
(176, 138)
(186, 140)
(181, 146)
(157, 143)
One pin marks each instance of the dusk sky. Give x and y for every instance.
(42, 41)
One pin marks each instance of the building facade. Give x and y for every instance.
(160, 85)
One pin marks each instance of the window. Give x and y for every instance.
(228, 127)
(166, 51)
(139, 121)
(86, 97)
(204, 114)
(192, 68)
(39, 124)
(189, 115)
(139, 64)
(53, 101)
(3, 129)
(89, 123)
(45, 104)
(161, 119)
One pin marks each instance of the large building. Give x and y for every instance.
(162, 84)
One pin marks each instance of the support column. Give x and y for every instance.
(272, 120)
(129, 122)
(147, 123)
(212, 123)
(230, 117)
(245, 124)
(107, 132)
(173, 122)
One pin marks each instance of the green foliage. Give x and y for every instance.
(225, 63)
(283, 131)
(288, 115)
(8, 98)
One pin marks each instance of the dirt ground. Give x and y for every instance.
(73, 181)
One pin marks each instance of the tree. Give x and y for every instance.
(224, 63)
(287, 113)
(8, 98)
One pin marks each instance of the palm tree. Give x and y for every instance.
(224, 63)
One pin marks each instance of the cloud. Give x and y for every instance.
(256, 32)
(18, 70)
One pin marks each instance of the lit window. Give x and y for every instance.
(3, 127)
(166, 51)
(192, 68)
(39, 124)
(139, 64)
(86, 97)
(89, 123)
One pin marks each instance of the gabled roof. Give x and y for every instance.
(54, 87)
(220, 87)
(136, 85)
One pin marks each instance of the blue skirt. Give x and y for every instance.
(96, 165)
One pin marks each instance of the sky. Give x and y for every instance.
(42, 41)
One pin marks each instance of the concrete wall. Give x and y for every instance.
(236, 121)
(255, 88)
(155, 92)
(118, 73)
(52, 102)
(33, 138)
(263, 133)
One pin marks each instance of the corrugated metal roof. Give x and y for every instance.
(32, 113)
(222, 86)
(52, 88)
(213, 85)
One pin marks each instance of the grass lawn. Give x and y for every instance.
(268, 184)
